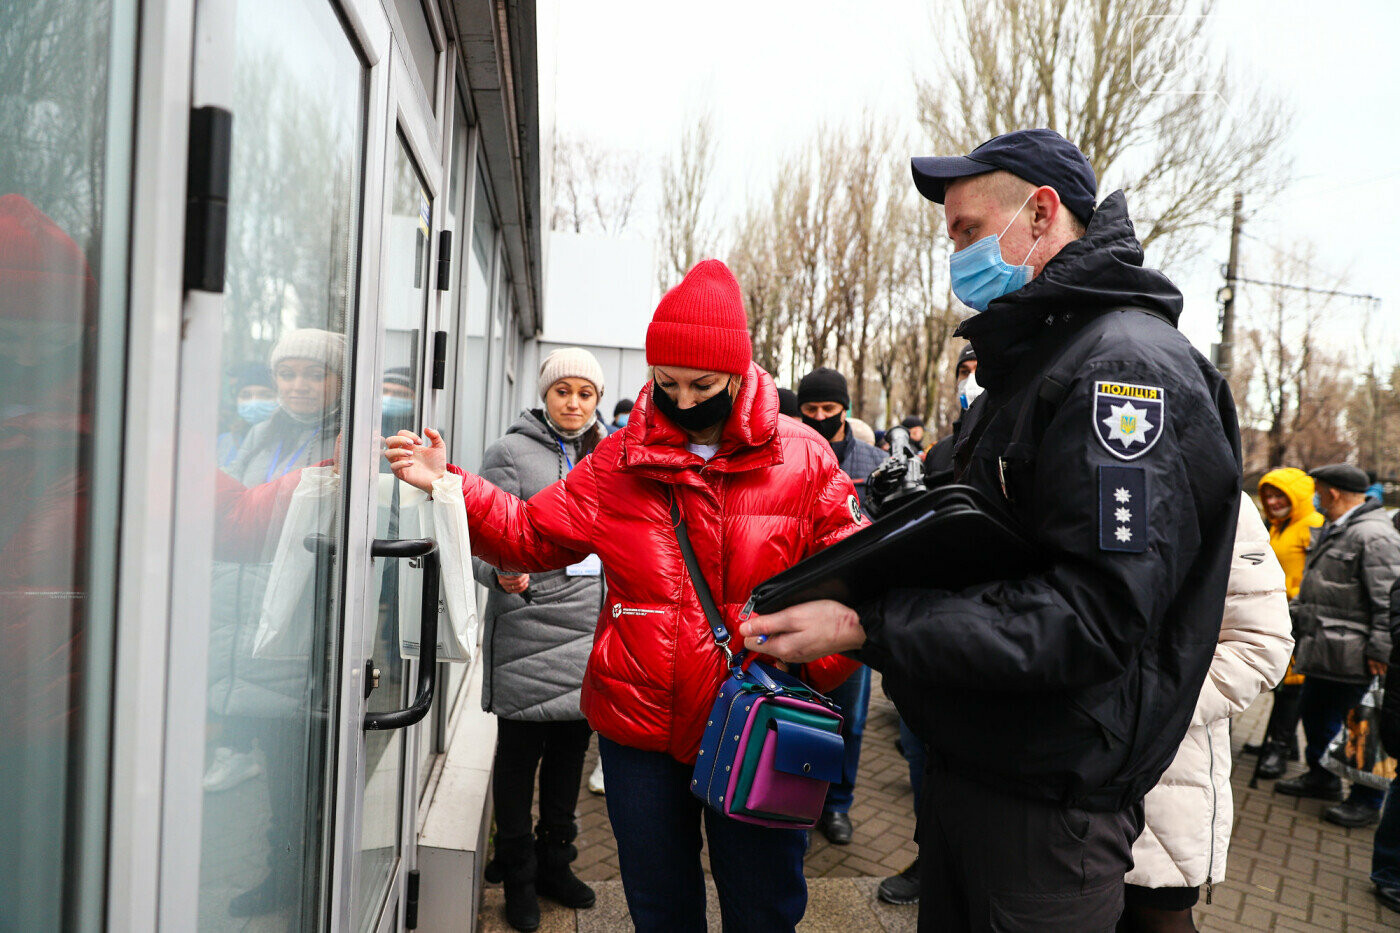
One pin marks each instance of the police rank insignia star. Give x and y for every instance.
(1123, 509)
(1128, 418)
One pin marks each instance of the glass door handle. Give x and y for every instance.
(426, 551)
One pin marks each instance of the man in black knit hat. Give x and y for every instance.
(823, 399)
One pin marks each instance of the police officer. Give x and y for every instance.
(1051, 703)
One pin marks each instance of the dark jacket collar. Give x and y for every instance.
(1330, 531)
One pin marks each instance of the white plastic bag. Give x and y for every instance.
(287, 621)
(443, 518)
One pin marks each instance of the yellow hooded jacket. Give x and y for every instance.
(1292, 537)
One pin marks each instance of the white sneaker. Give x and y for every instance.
(229, 769)
(595, 780)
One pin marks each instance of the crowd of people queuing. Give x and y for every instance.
(1067, 729)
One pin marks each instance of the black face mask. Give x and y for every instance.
(827, 427)
(714, 410)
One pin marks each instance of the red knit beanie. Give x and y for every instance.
(701, 323)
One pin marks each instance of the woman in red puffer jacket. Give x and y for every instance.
(758, 493)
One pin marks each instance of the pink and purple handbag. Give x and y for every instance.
(772, 745)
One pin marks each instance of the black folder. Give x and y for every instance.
(947, 538)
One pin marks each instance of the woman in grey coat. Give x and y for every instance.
(259, 699)
(538, 635)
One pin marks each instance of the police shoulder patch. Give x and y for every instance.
(1123, 509)
(1128, 418)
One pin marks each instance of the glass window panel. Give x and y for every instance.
(497, 419)
(293, 246)
(64, 136)
(395, 582)
(422, 51)
(471, 398)
(464, 386)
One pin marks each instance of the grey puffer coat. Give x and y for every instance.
(240, 684)
(1341, 614)
(536, 651)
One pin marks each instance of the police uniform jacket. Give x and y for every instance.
(1076, 683)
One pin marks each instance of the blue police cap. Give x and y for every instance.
(1040, 156)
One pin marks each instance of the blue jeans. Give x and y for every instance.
(916, 753)
(853, 697)
(1385, 851)
(656, 821)
(1323, 708)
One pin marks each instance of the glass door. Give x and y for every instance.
(280, 377)
(67, 76)
(395, 591)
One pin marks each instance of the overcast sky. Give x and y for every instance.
(772, 72)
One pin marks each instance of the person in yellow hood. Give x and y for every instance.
(1287, 497)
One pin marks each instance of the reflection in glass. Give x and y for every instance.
(394, 592)
(477, 307)
(59, 217)
(274, 597)
(422, 50)
(466, 388)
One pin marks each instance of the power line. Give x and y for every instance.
(1307, 288)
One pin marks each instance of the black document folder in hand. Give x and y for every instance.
(949, 538)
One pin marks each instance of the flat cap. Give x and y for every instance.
(1342, 476)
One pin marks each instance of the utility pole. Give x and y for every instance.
(1225, 355)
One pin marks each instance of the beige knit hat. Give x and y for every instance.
(860, 430)
(308, 343)
(570, 363)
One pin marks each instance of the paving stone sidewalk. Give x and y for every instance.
(1288, 870)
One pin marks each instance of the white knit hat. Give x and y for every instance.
(570, 363)
(308, 343)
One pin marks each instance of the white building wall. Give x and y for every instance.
(600, 292)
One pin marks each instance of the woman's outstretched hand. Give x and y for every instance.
(415, 462)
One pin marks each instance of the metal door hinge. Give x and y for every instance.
(410, 910)
(440, 359)
(206, 198)
(444, 265)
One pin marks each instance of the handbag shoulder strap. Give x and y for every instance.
(697, 580)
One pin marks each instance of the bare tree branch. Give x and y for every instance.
(1132, 82)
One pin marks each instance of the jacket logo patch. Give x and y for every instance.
(620, 610)
(853, 504)
(1128, 418)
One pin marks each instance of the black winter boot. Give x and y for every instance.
(554, 850)
(515, 862)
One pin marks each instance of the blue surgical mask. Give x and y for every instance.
(396, 406)
(980, 275)
(622, 419)
(257, 410)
